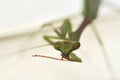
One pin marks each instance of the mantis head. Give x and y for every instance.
(66, 47)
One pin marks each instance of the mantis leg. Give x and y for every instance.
(66, 28)
(56, 30)
(49, 39)
(73, 57)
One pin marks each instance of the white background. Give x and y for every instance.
(17, 16)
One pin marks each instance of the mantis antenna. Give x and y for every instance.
(34, 47)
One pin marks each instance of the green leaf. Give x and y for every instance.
(91, 8)
(73, 57)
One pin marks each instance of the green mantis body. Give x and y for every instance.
(66, 44)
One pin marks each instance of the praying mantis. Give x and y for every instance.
(69, 40)
(67, 43)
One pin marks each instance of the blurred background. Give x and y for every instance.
(19, 18)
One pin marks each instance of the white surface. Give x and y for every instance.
(32, 12)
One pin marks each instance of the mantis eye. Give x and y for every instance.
(76, 45)
(57, 45)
